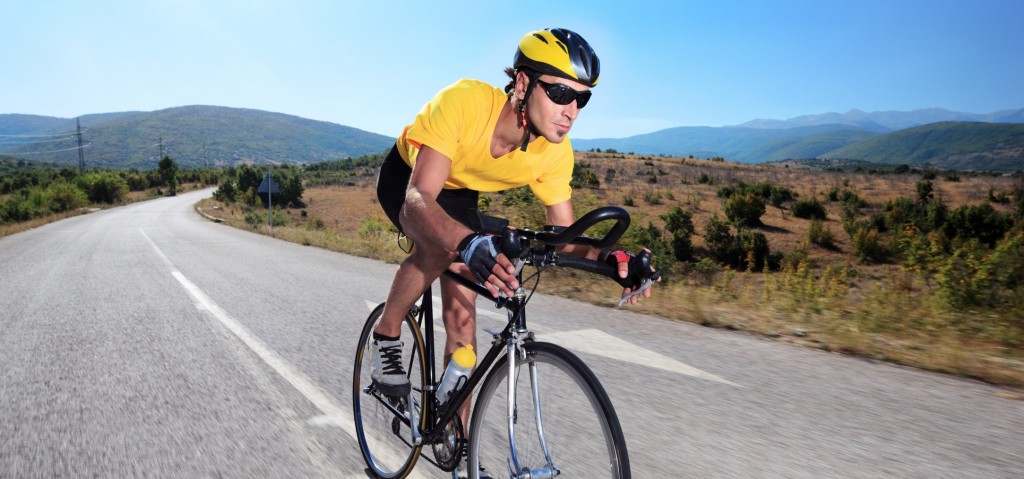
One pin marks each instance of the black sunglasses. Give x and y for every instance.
(563, 95)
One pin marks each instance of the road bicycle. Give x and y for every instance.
(540, 412)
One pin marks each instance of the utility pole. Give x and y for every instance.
(270, 207)
(81, 155)
(158, 160)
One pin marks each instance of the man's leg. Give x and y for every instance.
(458, 305)
(411, 280)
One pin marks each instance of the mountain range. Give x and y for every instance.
(933, 137)
(211, 135)
(192, 135)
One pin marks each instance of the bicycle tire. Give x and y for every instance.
(384, 440)
(572, 401)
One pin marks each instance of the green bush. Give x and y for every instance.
(869, 245)
(809, 208)
(25, 204)
(66, 197)
(718, 238)
(680, 224)
(744, 209)
(373, 227)
(104, 187)
(682, 246)
(774, 194)
(820, 235)
(583, 177)
(678, 220)
(652, 198)
(226, 192)
(982, 222)
(254, 219)
(751, 248)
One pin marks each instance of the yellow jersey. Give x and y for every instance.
(459, 123)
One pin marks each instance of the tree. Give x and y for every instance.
(925, 191)
(169, 174)
(680, 224)
(745, 209)
(718, 238)
(289, 182)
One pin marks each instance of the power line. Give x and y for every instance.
(70, 133)
(64, 138)
(19, 153)
(81, 156)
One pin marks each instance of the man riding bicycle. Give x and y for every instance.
(474, 137)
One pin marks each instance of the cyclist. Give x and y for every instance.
(474, 137)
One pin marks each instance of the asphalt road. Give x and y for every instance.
(147, 341)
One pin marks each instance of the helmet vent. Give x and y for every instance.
(540, 37)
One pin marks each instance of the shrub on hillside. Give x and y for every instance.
(226, 192)
(751, 249)
(809, 208)
(868, 243)
(982, 222)
(104, 187)
(584, 178)
(680, 224)
(66, 197)
(820, 235)
(718, 238)
(23, 205)
(744, 209)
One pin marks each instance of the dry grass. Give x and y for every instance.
(875, 311)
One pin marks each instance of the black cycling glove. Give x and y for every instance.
(479, 251)
(639, 266)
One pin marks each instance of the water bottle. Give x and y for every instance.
(457, 372)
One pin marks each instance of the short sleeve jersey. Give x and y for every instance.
(459, 123)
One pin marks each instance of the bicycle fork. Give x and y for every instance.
(515, 353)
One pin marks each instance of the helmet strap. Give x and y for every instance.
(522, 111)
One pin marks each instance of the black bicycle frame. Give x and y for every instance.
(426, 320)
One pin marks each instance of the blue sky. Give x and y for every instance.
(664, 64)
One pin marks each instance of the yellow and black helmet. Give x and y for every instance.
(558, 52)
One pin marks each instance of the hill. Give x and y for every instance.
(201, 135)
(948, 145)
(746, 145)
(192, 135)
(957, 145)
(886, 121)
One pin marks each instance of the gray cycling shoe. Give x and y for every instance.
(387, 371)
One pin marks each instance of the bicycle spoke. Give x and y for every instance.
(563, 423)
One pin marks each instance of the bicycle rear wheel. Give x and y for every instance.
(564, 423)
(382, 422)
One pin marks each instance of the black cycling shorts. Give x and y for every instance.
(393, 179)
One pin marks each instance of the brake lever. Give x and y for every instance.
(644, 286)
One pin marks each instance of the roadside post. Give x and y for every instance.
(269, 187)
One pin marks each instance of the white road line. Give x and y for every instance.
(339, 415)
(333, 414)
(299, 381)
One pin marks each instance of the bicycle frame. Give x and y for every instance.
(505, 341)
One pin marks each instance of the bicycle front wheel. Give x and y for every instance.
(383, 422)
(561, 421)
